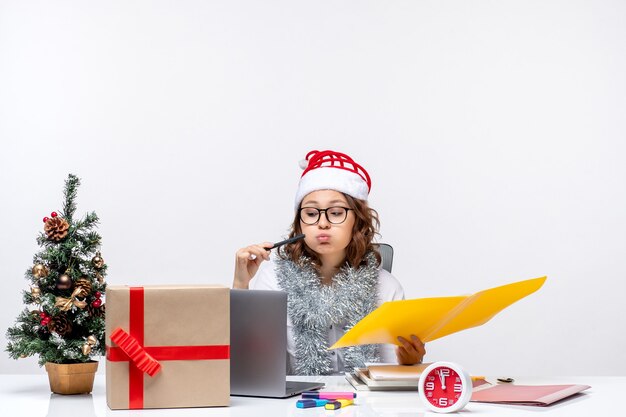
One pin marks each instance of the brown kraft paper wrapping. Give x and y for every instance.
(177, 316)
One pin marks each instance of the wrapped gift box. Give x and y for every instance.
(167, 346)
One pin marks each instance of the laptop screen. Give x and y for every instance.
(258, 338)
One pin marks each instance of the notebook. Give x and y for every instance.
(537, 395)
(361, 381)
(397, 372)
(393, 378)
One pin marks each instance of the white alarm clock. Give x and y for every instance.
(445, 387)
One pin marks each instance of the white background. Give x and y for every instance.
(493, 131)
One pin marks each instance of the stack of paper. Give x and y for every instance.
(386, 377)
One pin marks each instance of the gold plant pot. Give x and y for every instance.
(73, 378)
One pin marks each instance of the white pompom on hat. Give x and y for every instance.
(330, 170)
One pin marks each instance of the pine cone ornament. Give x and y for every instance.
(84, 284)
(56, 228)
(61, 325)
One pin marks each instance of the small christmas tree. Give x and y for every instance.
(65, 323)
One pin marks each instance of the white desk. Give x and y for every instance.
(29, 395)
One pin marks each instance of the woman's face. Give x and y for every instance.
(324, 237)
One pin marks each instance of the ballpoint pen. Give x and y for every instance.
(286, 241)
(279, 244)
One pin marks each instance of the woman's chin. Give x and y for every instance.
(327, 249)
(324, 247)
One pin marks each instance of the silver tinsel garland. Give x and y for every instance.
(313, 308)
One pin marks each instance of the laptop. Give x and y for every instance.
(258, 346)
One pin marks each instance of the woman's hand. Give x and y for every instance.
(411, 352)
(247, 261)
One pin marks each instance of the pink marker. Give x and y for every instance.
(327, 395)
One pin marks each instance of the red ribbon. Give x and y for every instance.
(145, 358)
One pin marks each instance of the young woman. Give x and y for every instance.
(333, 277)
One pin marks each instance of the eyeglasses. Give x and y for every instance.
(334, 215)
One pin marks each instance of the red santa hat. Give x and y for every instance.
(330, 170)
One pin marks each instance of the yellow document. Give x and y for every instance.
(432, 318)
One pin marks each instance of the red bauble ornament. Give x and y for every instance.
(98, 294)
(45, 219)
(54, 214)
(96, 303)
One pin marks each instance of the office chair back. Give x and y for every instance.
(386, 255)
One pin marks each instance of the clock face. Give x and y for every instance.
(444, 386)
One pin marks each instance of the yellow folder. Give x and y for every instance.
(432, 318)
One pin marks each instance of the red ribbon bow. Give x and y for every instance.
(135, 352)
